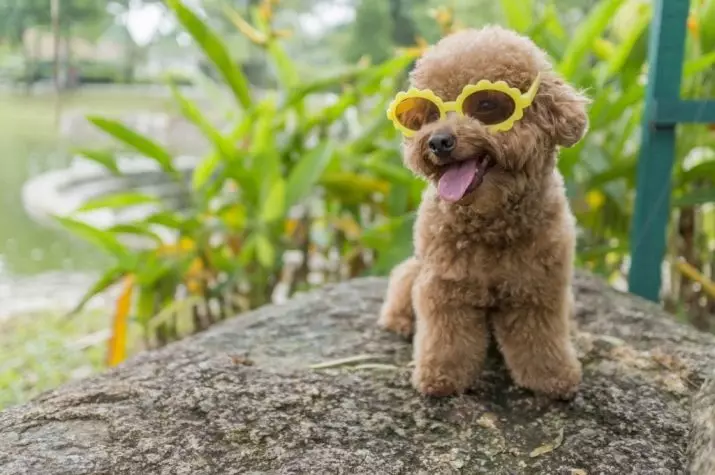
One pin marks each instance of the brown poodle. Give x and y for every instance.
(494, 237)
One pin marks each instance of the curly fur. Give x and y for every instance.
(497, 263)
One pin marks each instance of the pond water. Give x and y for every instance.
(38, 263)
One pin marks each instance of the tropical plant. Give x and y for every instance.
(293, 172)
(607, 57)
(313, 170)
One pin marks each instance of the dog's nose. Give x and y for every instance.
(442, 144)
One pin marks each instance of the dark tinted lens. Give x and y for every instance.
(489, 107)
(414, 112)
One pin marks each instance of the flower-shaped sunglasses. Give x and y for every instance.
(494, 104)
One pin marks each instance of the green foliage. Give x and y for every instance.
(285, 175)
(43, 350)
(606, 57)
(372, 32)
(295, 173)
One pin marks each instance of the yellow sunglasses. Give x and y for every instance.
(494, 104)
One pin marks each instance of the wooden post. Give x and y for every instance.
(655, 163)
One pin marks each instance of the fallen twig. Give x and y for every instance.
(376, 366)
(551, 446)
(346, 361)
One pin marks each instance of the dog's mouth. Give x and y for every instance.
(460, 178)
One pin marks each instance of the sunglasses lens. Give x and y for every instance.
(489, 107)
(414, 112)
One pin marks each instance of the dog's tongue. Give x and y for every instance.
(454, 182)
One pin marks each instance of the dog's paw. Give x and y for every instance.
(436, 384)
(562, 385)
(402, 323)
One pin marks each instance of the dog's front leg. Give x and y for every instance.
(536, 345)
(451, 340)
(397, 314)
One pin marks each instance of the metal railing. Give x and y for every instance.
(664, 110)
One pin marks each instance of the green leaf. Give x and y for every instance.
(518, 14)
(138, 142)
(136, 229)
(152, 268)
(102, 157)
(694, 198)
(307, 172)
(119, 200)
(215, 49)
(265, 252)
(204, 170)
(625, 48)
(333, 112)
(398, 200)
(107, 279)
(549, 33)
(275, 204)
(285, 67)
(193, 113)
(353, 187)
(706, 19)
(589, 30)
(699, 65)
(346, 76)
(167, 219)
(607, 109)
(371, 79)
(145, 306)
(100, 238)
(392, 240)
(552, 21)
(379, 164)
(616, 171)
(263, 131)
(704, 171)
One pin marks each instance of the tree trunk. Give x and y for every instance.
(242, 398)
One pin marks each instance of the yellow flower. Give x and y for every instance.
(693, 26)
(595, 199)
(290, 226)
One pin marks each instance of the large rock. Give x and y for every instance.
(242, 398)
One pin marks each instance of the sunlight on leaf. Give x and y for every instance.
(590, 29)
(137, 141)
(274, 206)
(216, 50)
(119, 200)
(307, 172)
(105, 158)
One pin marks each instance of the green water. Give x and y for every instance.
(30, 143)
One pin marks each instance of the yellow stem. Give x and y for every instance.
(116, 353)
(246, 28)
(693, 274)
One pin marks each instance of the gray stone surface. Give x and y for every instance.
(241, 398)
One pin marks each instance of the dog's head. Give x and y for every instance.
(462, 154)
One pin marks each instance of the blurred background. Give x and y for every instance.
(167, 164)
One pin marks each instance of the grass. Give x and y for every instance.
(43, 350)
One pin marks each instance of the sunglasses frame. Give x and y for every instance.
(521, 102)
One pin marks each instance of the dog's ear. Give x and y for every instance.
(562, 110)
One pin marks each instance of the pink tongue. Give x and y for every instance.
(455, 181)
